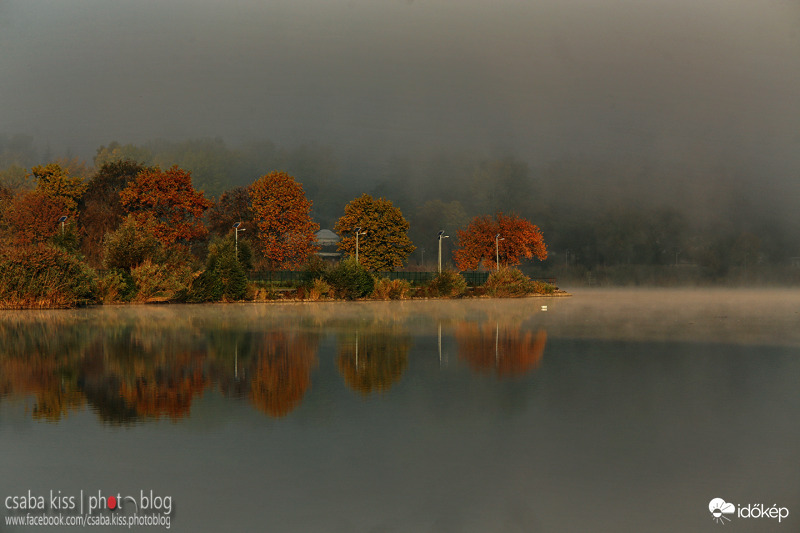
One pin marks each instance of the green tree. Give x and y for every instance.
(385, 245)
(130, 245)
(225, 268)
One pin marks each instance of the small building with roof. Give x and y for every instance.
(328, 245)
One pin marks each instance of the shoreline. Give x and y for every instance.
(155, 302)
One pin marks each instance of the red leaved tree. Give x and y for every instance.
(283, 217)
(168, 199)
(32, 217)
(479, 242)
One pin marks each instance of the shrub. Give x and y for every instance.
(509, 282)
(541, 287)
(315, 268)
(447, 283)
(42, 275)
(207, 287)
(350, 280)
(68, 239)
(318, 290)
(116, 286)
(263, 291)
(130, 245)
(391, 289)
(161, 282)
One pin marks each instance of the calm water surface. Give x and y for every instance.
(609, 411)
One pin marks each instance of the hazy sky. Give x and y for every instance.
(542, 78)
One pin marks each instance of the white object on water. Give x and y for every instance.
(544, 308)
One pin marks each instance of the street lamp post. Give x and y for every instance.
(441, 236)
(358, 232)
(497, 239)
(237, 230)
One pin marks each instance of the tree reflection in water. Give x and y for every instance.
(129, 365)
(505, 349)
(35, 362)
(282, 372)
(373, 359)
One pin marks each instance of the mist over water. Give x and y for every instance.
(482, 415)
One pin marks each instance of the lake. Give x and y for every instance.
(611, 410)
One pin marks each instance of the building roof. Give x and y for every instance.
(326, 236)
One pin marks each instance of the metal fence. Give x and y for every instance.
(295, 277)
(473, 278)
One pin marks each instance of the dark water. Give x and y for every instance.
(609, 411)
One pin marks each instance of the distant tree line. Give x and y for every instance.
(595, 213)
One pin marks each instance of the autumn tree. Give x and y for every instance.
(62, 181)
(520, 239)
(385, 245)
(100, 209)
(282, 212)
(168, 199)
(32, 217)
(233, 206)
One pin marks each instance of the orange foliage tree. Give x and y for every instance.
(168, 199)
(283, 218)
(477, 243)
(33, 217)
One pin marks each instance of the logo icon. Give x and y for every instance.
(719, 508)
